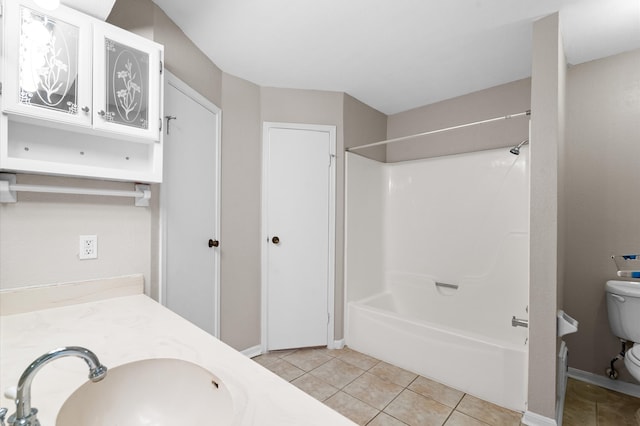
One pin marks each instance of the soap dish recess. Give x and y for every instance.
(566, 324)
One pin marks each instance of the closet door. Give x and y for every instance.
(298, 223)
(190, 206)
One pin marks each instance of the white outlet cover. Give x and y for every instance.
(88, 248)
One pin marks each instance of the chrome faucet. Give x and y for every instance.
(25, 415)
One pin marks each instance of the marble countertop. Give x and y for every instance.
(131, 328)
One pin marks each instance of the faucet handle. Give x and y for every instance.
(11, 392)
(3, 413)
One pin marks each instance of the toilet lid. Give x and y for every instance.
(633, 355)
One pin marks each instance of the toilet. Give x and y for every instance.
(623, 307)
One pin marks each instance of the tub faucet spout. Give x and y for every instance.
(519, 322)
(25, 415)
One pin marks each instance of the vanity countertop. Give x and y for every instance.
(130, 328)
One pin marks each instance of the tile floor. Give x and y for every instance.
(589, 405)
(372, 392)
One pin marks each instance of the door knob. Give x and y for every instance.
(275, 240)
(214, 243)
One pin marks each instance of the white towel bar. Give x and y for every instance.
(9, 187)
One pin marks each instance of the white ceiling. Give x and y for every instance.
(395, 55)
(97, 8)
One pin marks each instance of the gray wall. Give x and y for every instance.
(364, 125)
(602, 197)
(39, 235)
(181, 56)
(240, 220)
(497, 101)
(547, 95)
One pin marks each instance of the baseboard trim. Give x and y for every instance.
(252, 351)
(561, 385)
(258, 350)
(604, 382)
(533, 419)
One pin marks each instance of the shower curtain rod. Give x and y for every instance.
(446, 129)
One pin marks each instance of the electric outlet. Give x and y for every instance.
(88, 247)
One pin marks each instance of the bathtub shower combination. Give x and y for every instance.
(437, 267)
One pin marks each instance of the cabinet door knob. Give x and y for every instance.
(275, 240)
(214, 243)
(85, 108)
(101, 113)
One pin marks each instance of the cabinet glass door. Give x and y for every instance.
(48, 62)
(47, 68)
(126, 83)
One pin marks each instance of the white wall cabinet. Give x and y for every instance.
(80, 97)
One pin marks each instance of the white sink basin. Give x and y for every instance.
(154, 392)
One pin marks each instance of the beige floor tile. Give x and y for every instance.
(393, 374)
(373, 390)
(285, 370)
(590, 405)
(307, 359)
(336, 352)
(586, 391)
(358, 359)
(620, 412)
(352, 408)
(416, 410)
(578, 411)
(282, 352)
(383, 419)
(337, 373)
(459, 419)
(315, 387)
(325, 350)
(265, 359)
(487, 412)
(436, 391)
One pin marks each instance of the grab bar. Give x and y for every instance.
(446, 285)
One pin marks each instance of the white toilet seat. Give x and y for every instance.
(632, 361)
(634, 355)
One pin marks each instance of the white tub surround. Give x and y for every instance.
(131, 328)
(437, 255)
(489, 368)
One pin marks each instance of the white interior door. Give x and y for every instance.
(190, 206)
(298, 225)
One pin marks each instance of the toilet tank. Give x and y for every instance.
(623, 307)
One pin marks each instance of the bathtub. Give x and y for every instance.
(474, 352)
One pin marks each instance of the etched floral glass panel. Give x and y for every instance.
(127, 91)
(48, 62)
